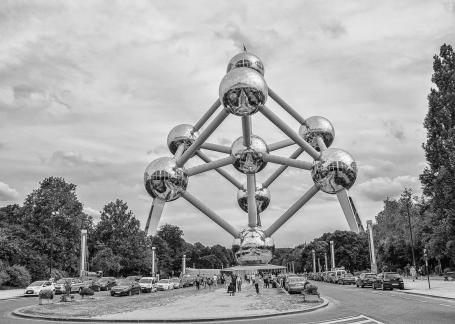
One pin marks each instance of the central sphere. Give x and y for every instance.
(248, 159)
(248, 60)
(252, 247)
(181, 134)
(315, 127)
(262, 196)
(163, 179)
(243, 91)
(336, 170)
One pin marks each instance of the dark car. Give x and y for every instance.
(388, 280)
(126, 288)
(92, 284)
(365, 279)
(294, 284)
(346, 279)
(106, 283)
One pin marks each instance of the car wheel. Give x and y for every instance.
(391, 288)
(80, 290)
(373, 286)
(382, 287)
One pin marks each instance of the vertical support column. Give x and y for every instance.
(184, 264)
(332, 254)
(153, 261)
(319, 264)
(252, 210)
(325, 262)
(313, 252)
(373, 264)
(83, 250)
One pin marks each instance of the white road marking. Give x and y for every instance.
(360, 319)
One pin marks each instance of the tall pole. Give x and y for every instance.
(410, 232)
(83, 250)
(153, 261)
(373, 264)
(332, 254)
(313, 252)
(184, 264)
(325, 261)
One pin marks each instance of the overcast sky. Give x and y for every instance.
(90, 89)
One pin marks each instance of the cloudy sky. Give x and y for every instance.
(90, 89)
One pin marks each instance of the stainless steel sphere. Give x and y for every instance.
(317, 126)
(163, 179)
(254, 248)
(248, 60)
(181, 134)
(249, 159)
(262, 198)
(335, 171)
(243, 91)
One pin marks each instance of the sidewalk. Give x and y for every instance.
(439, 288)
(11, 293)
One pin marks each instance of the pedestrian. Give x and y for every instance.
(239, 284)
(222, 280)
(198, 282)
(256, 283)
(215, 279)
(231, 288)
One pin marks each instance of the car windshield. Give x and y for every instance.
(293, 279)
(103, 280)
(124, 283)
(36, 284)
(146, 280)
(392, 275)
(370, 275)
(63, 280)
(164, 281)
(175, 280)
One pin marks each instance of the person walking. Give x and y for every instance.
(256, 283)
(198, 282)
(239, 284)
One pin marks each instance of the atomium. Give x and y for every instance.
(335, 171)
(248, 159)
(262, 196)
(315, 127)
(163, 179)
(243, 91)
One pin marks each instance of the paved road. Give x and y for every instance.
(348, 305)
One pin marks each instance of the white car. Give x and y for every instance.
(35, 287)
(147, 284)
(164, 284)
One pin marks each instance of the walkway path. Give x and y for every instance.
(438, 288)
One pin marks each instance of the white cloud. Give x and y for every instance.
(96, 214)
(380, 188)
(7, 193)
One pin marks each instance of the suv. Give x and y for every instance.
(388, 280)
(106, 283)
(365, 279)
(346, 279)
(147, 284)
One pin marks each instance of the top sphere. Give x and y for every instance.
(317, 126)
(181, 134)
(243, 91)
(248, 60)
(335, 171)
(163, 179)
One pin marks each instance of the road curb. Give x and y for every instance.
(425, 295)
(18, 313)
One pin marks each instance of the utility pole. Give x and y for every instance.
(332, 254)
(313, 252)
(425, 256)
(153, 261)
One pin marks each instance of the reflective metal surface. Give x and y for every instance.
(181, 134)
(262, 198)
(163, 179)
(249, 159)
(243, 91)
(336, 171)
(253, 248)
(248, 60)
(317, 126)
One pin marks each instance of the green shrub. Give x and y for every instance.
(4, 277)
(18, 276)
(46, 294)
(86, 292)
(311, 289)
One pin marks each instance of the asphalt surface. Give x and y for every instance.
(348, 304)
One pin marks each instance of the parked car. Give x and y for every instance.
(164, 284)
(134, 278)
(126, 288)
(187, 280)
(365, 279)
(329, 276)
(388, 280)
(106, 283)
(294, 284)
(92, 284)
(77, 285)
(347, 279)
(337, 275)
(147, 284)
(35, 287)
(177, 283)
(60, 285)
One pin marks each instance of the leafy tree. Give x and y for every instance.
(438, 178)
(106, 261)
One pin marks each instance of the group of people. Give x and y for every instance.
(208, 281)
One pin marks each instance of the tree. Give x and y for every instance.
(438, 178)
(105, 260)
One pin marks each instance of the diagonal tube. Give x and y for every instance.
(321, 143)
(280, 145)
(225, 174)
(179, 151)
(207, 115)
(210, 166)
(246, 129)
(252, 208)
(216, 148)
(286, 107)
(290, 132)
(210, 214)
(154, 216)
(202, 137)
(281, 169)
(348, 212)
(286, 161)
(291, 211)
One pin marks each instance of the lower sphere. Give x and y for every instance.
(262, 196)
(253, 248)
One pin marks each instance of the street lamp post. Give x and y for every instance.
(54, 213)
(410, 232)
